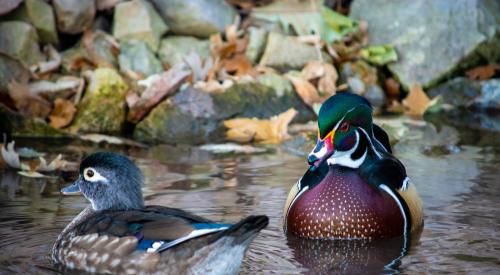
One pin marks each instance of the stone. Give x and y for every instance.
(137, 56)
(19, 40)
(279, 83)
(74, 16)
(139, 20)
(193, 116)
(174, 48)
(12, 69)
(490, 96)
(375, 95)
(287, 53)
(102, 109)
(359, 76)
(200, 18)
(41, 16)
(471, 94)
(7, 6)
(256, 43)
(435, 39)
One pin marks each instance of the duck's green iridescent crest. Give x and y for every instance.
(335, 109)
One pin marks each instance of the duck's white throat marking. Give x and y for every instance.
(344, 158)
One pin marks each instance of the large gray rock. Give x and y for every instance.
(287, 52)
(39, 14)
(434, 38)
(74, 16)
(199, 18)
(7, 6)
(136, 56)
(193, 116)
(138, 19)
(19, 39)
(256, 43)
(173, 49)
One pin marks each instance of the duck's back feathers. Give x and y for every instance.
(112, 241)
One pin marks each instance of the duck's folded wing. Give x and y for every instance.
(109, 241)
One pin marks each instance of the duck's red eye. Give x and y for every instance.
(344, 127)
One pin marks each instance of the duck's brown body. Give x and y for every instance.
(344, 206)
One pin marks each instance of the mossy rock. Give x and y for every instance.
(195, 117)
(102, 109)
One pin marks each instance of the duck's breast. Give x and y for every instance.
(343, 206)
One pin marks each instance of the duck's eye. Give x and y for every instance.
(344, 127)
(90, 173)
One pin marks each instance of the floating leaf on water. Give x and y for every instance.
(231, 148)
(416, 102)
(98, 138)
(272, 130)
(379, 55)
(10, 156)
(33, 174)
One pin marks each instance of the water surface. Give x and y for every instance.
(460, 192)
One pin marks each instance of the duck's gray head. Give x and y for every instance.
(109, 181)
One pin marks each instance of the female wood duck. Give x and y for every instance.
(355, 188)
(118, 234)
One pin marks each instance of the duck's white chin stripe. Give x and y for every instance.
(344, 158)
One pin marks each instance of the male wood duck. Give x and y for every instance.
(118, 234)
(354, 188)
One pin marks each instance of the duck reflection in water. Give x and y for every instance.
(359, 256)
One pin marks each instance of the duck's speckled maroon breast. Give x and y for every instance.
(343, 205)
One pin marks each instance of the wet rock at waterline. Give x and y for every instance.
(17, 125)
(137, 56)
(433, 38)
(463, 92)
(284, 52)
(200, 18)
(74, 16)
(139, 20)
(173, 49)
(41, 16)
(20, 40)
(194, 116)
(102, 109)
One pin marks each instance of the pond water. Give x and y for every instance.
(460, 192)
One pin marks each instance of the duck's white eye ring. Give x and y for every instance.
(90, 174)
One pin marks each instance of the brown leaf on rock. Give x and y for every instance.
(305, 90)
(62, 114)
(313, 69)
(158, 87)
(273, 130)
(325, 73)
(416, 102)
(483, 72)
(238, 65)
(53, 63)
(26, 103)
(392, 87)
(88, 44)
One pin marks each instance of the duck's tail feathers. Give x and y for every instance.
(245, 230)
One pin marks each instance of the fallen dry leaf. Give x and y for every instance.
(392, 87)
(416, 102)
(213, 86)
(10, 156)
(53, 63)
(305, 90)
(26, 103)
(62, 114)
(483, 72)
(325, 74)
(273, 130)
(158, 88)
(313, 69)
(238, 65)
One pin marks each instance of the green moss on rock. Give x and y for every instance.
(102, 109)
